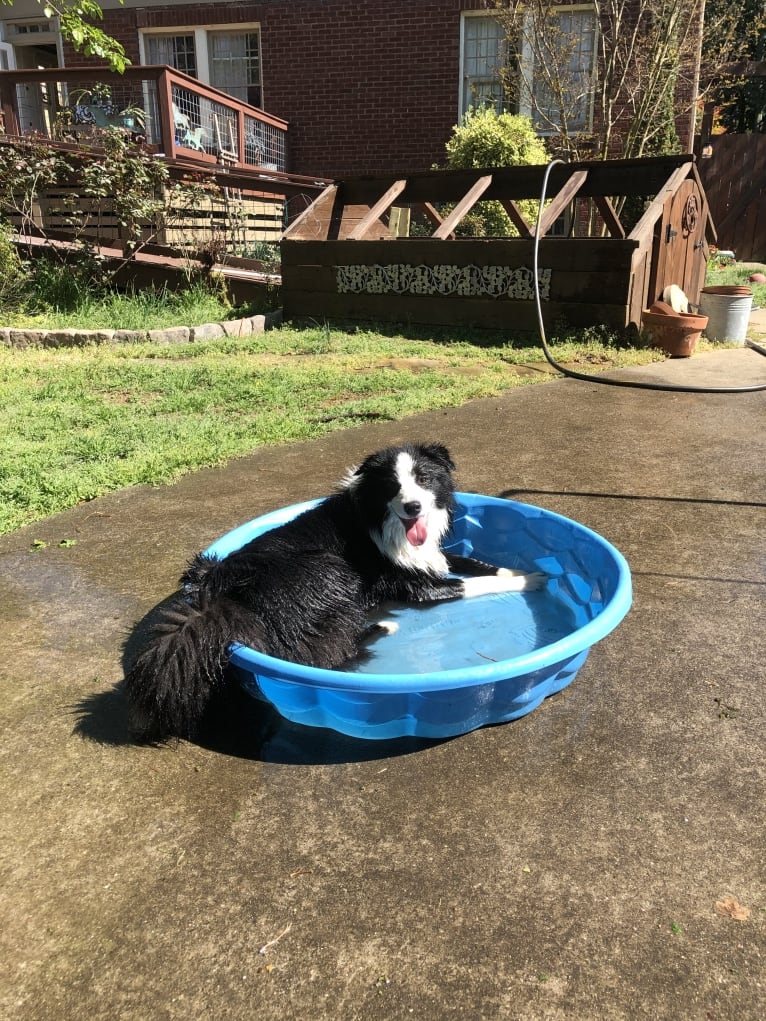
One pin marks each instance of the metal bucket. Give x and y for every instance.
(728, 310)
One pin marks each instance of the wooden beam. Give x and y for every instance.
(434, 217)
(609, 216)
(561, 200)
(516, 218)
(381, 206)
(295, 230)
(465, 204)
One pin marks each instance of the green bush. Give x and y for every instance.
(486, 139)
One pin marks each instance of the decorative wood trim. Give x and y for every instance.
(644, 229)
(609, 216)
(328, 195)
(516, 218)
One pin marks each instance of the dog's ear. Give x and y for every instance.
(439, 453)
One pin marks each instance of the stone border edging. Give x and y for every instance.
(21, 338)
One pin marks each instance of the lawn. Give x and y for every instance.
(82, 422)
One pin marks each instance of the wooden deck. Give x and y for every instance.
(173, 113)
(203, 135)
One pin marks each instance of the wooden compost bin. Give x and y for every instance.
(342, 258)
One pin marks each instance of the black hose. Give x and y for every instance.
(635, 384)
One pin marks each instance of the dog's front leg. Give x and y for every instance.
(486, 578)
(504, 581)
(475, 568)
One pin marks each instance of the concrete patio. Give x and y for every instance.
(601, 858)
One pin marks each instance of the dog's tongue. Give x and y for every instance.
(415, 530)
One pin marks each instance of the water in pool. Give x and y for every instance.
(467, 633)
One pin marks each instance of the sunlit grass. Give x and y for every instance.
(81, 422)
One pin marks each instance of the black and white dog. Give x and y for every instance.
(303, 591)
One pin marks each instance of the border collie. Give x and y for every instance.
(303, 591)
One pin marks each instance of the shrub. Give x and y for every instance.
(486, 139)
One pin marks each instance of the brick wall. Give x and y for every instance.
(366, 85)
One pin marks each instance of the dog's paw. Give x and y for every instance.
(390, 627)
(507, 572)
(533, 582)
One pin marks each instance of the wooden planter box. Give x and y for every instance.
(342, 260)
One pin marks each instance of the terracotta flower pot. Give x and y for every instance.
(675, 334)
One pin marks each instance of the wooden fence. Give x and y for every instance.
(734, 178)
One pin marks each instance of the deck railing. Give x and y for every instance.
(174, 114)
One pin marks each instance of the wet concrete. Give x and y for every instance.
(567, 865)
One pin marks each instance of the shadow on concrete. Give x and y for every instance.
(235, 724)
(515, 494)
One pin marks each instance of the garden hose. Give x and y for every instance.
(635, 384)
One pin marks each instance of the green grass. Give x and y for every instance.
(737, 274)
(142, 310)
(78, 423)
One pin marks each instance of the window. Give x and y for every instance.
(177, 51)
(557, 67)
(227, 58)
(555, 55)
(235, 65)
(484, 55)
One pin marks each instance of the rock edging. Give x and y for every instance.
(21, 338)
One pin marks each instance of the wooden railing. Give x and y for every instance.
(173, 113)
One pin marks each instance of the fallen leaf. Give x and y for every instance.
(730, 907)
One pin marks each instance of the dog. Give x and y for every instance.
(303, 591)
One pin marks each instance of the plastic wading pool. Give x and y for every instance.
(452, 667)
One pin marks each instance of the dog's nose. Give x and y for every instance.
(412, 509)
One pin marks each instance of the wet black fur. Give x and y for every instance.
(301, 592)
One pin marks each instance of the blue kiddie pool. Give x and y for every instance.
(452, 667)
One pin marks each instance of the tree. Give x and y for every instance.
(736, 32)
(621, 98)
(75, 22)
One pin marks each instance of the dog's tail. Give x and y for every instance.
(172, 681)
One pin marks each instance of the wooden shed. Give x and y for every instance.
(615, 234)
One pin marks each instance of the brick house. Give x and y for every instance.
(367, 86)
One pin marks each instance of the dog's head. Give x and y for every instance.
(406, 495)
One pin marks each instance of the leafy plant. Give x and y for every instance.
(12, 275)
(76, 19)
(486, 138)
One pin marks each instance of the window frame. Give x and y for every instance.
(201, 46)
(463, 103)
(525, 70)
(527, 104)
